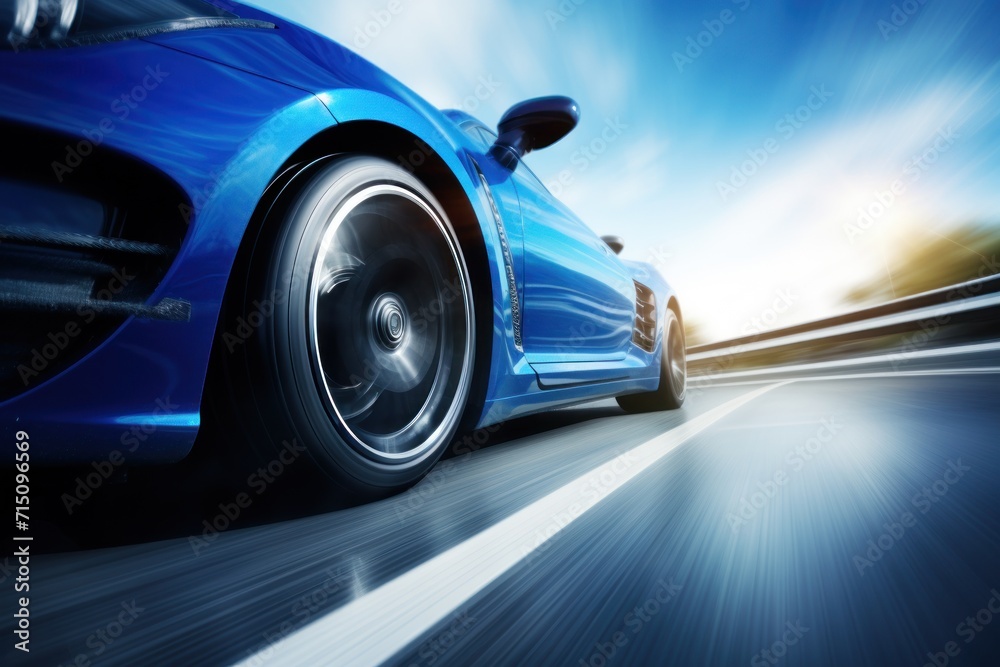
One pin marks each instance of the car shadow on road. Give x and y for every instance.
(80, 509)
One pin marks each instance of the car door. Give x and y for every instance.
(579, 299)
(575, 299)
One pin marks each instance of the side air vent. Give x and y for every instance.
(508, 261)
(81, 250)
(644, 332)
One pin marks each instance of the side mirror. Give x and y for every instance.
(616, 243)
(534, 125)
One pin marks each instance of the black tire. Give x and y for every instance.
(673, 373)
(367, 357)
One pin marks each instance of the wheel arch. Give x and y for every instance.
(399, 146)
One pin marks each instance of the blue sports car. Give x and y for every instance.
(206, 204)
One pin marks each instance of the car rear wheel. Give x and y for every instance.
(673, 373)
(366, 356)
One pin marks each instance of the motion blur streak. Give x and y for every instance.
(988, 370)
(790, 560)
(373, 628)
(899, 72)
(885, 359)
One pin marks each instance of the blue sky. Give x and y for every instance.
(748, 135)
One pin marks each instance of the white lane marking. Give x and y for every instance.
(988, 370)
(381, 623)
(902, 357)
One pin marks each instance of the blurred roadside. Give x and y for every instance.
(939, 291)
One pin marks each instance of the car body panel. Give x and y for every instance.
(235, 106)
(224, 165)
(579, 300)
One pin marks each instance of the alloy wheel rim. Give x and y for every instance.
(390, 324)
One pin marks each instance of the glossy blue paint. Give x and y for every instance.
(229, 109)
(579, 299)
(218, 143)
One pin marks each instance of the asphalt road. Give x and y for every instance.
(845, 521)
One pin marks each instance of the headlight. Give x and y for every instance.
(41, 23)
(20, 18)
(24, 21)
(64, 12)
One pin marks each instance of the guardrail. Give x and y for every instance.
(901, 332)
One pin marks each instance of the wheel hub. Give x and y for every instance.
(389, 321)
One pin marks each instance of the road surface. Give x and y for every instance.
(824, 521)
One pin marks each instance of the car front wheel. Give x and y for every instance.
(366, 356)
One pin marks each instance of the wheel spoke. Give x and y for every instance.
(338, 268)
(354, 402)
